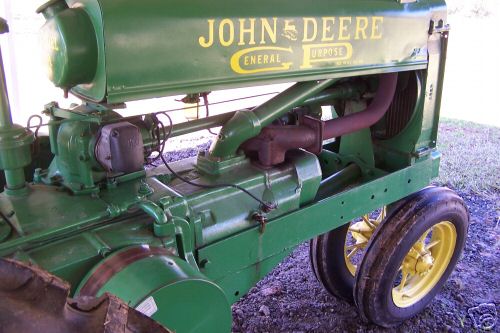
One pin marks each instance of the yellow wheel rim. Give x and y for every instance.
(425, 264)
(357, 237)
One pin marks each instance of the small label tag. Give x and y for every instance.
(148, 306)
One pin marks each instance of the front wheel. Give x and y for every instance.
(410, 256)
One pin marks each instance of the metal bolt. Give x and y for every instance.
(204, 263)
(262, 221)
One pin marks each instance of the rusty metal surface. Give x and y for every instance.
(115, 264)
(33, 300)
(376, 110)
(274, 141)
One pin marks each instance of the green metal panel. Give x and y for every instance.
(247, 248)
(168, 47)
(290, 186)
(94, 90)
(15, 141)
(70, 48)
(237, 284)
(184, 299)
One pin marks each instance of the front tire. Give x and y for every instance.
(410, 256)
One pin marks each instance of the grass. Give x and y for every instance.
(471, 156)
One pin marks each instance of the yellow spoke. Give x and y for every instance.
(403, 281)
(357, 245)
(367, 220)
(381, 216)
(432, 244)
(424, 236)
(352, 252)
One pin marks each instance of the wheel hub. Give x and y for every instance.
(424, 264)
(419, 260)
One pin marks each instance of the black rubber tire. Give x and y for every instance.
(391, 242)
(326, 254)
(328, 264)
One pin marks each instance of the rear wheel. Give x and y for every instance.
(410, 256)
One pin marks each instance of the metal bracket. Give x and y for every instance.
(53, 109)
(419, 153)
(438, 27)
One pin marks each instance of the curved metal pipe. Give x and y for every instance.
(246, 125)
(364, 119)
(154, 211)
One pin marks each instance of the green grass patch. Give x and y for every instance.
(471, 156)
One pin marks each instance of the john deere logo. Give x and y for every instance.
(272, 44)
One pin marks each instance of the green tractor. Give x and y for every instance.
(92, 239)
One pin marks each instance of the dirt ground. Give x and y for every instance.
(290, 299)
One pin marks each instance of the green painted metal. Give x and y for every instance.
(15, 141)
(221, 44)
(290, 187)
(338, 181)
(237, 284)
(179, 293)
(317, 218)
(70, 45)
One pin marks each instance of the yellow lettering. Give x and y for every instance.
(307, 21)
(328, 28)
(315, 53)
(250, 31)
(266, 28)
(248, 58)
(343, 28)
(361, 26)
(223, 41)
(203, 41)
(376, 21)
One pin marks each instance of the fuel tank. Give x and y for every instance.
(121, 50)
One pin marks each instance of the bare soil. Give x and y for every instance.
(290, 299)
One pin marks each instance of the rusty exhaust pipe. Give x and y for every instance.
(364, 119)
(273, 142)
